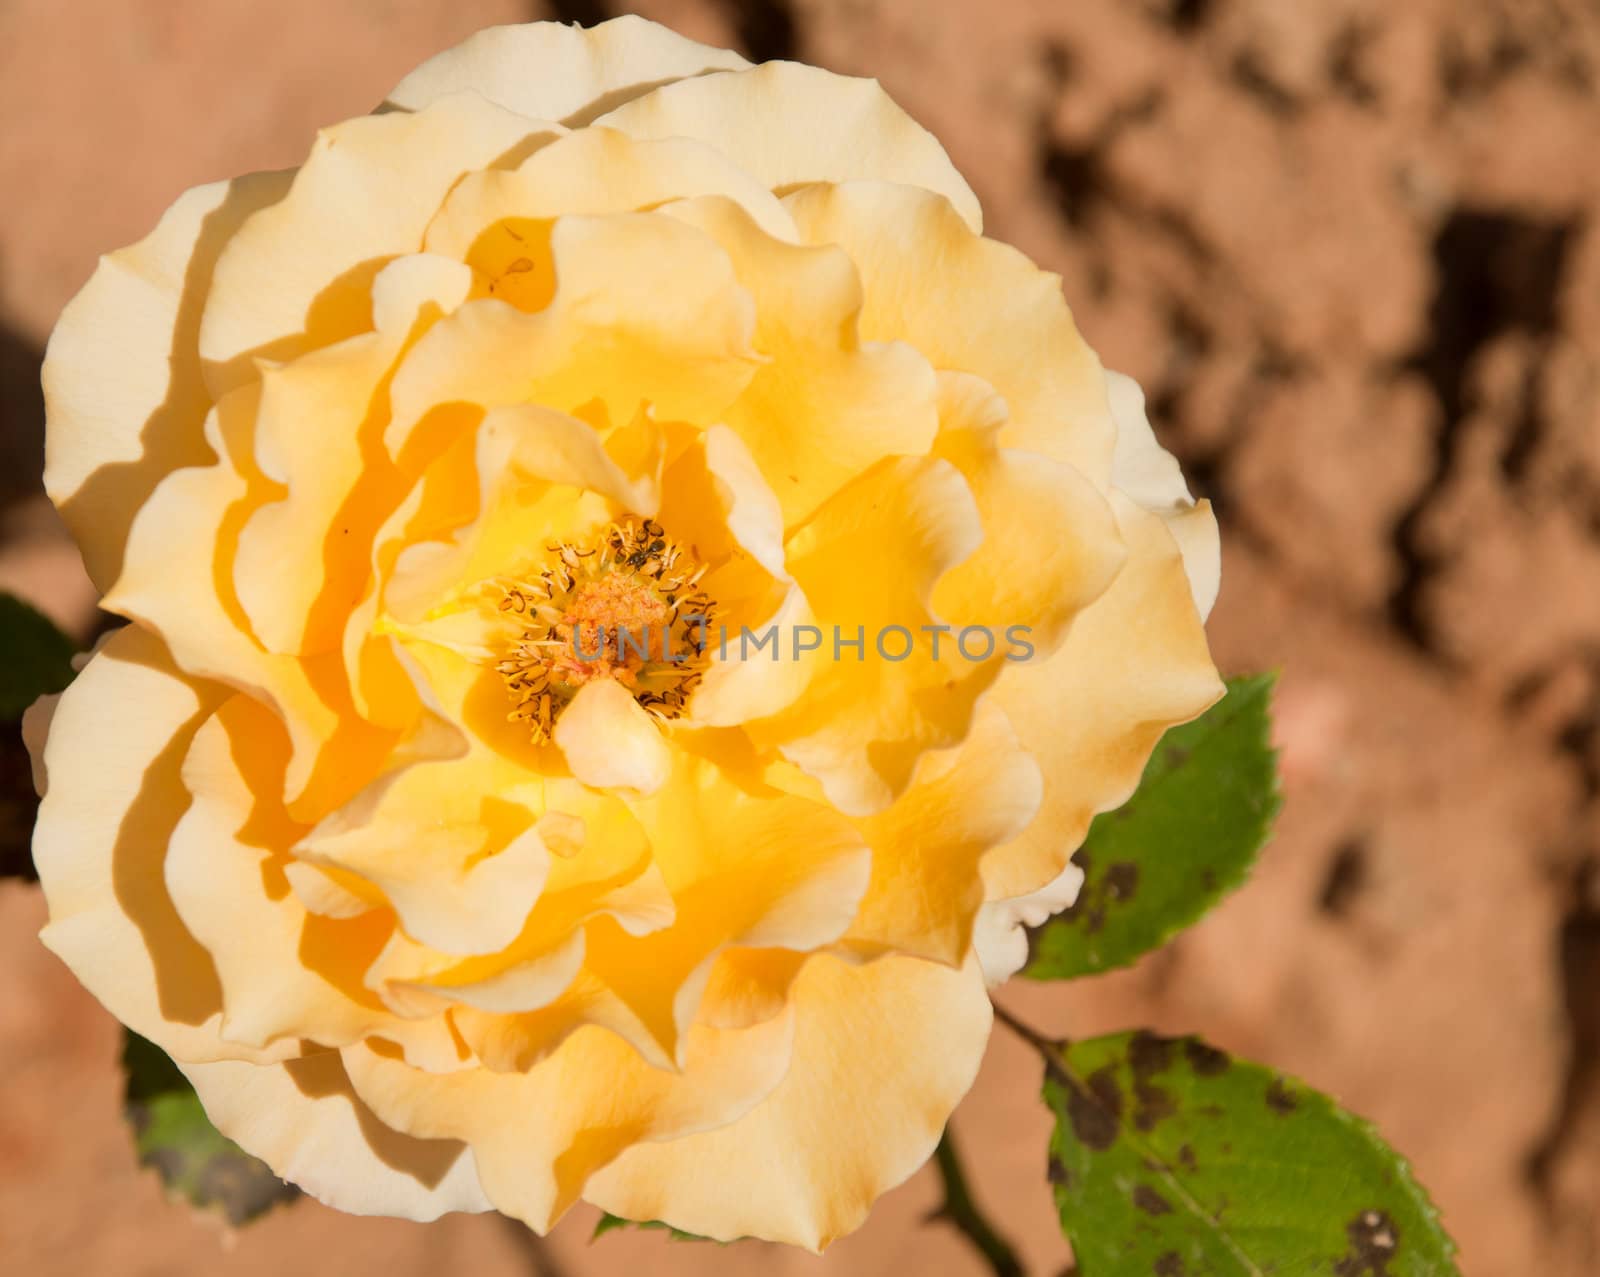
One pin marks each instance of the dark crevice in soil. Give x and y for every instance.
(586, 13)
(1080, 180)
(1183, 15)
(1346, 65)
(1578, 965)
(1496, 272)
(1464, 74)
(21, 416)
(767, 29)
(1248, 73)
(1348, 876)
(1189, 341)
(1579, 737)
(1077, 179)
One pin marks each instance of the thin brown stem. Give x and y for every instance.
(961, 1210)
(1029, 1034)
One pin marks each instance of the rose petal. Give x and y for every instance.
(284, 972)
(826, 406)
(1134, 664)
(972, 305)
(303, 1119)
(1000, 939)
(538, 1136)
(589, 173)
(298, 275)
(1150, 475)
(611, 742)
(124, 398)
(1050, 542)
(101, 841)
(646, 311)
(882, 1054)
(869, 562)
(551, 71)
(787, 123)
(926, 890)
(319, 432)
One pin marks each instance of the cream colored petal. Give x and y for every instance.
(868, 564)
(539, 1136)
(750, 986)
(611, 742)
(553, 71)
(1150, 475)
(452, 846)
(787, 123)
(715, 498)
(333, 893)
(303, 1119)
(926, 890)
(646, 310)
(510, 528)
(747, 867)
(605, 870)
(417, 981)
(826, 406)
(284, 972)
(1134, 664)
(970, 305)
(750, 869)
(298, 275)
(319, 433)
(883, 1052)
(758, 675)
(113, 757)
(1000, 938)
(543, 962)
(125, 401)
(177, 581)
(1050, 542)
(589, 173)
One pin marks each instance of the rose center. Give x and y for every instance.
(627, 607)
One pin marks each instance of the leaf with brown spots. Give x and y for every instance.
(1173, 1158)
(1186, 838)
(195, 1161)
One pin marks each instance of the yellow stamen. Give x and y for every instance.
(616, 610)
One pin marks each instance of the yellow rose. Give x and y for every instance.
(441, 902)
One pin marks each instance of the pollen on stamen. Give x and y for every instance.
(621, 608)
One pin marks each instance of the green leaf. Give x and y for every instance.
(1173, 1159)
(609, 1222)
(1186, 838)
(172, 1133)
(35, 657)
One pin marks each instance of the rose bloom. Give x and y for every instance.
(442, 897)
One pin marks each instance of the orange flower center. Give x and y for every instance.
(627, 608)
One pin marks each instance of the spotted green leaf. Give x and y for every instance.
(1173, 1159)
(172, 1133)
(1186, 838)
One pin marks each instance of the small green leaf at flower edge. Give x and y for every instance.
(35, 660)
(196, 1162)
(35, 657)
(1189, 835)
(609, 1223)
(1171, 1158)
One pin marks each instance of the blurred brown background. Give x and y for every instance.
(1350, 248)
